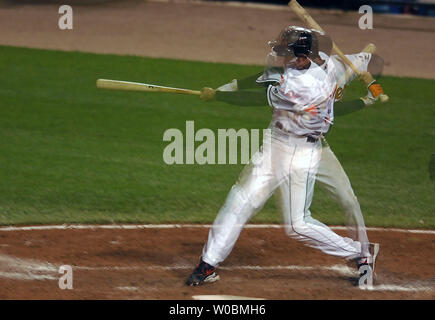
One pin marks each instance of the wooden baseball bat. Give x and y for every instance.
(305, 17)
(137, 86)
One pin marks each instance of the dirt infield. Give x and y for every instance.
(154, 263)
(212, 32)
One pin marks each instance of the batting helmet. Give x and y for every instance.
(296, 41)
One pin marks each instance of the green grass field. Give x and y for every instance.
(73, 153)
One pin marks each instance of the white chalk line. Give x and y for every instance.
(339, 269)
(128, 288)
(31, 265)
(25, 276)
(27, 269)
(394, 287)
(26, 264)
(179, 226)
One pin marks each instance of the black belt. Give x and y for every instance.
(312, 139)
(309, 138)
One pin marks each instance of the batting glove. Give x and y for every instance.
(368, 99)
(207, 94)
(374, 87)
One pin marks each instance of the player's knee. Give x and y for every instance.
(257, 204)
(296, 229)
(348, 201)
(245, 198)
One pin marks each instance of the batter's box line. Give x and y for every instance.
(180, 226)
(340, 269)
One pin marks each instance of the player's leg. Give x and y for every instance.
(299, 223)
(255, 185)
(332, 178)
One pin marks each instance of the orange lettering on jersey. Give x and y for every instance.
(339, 94)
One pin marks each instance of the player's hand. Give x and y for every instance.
(376, 90)
(207, 94)
(374, 87)
(368, 99)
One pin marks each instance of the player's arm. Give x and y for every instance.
(243, 98)
(258, 80)
(249, 91)
(241, 84)
(256, 98)
(365, 61)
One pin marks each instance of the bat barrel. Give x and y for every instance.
(137, 86)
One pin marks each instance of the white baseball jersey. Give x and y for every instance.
(343, 73)
(303, 101)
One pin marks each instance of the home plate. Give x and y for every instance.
(223, 297)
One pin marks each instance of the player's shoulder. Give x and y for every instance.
(271, 75)
(330, 64)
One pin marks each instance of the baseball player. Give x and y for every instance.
(302, 98)
(331, 175)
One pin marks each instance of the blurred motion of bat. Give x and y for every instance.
(137, 86)
(305, 17)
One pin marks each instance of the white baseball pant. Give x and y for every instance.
(287, 160)
(332, 177)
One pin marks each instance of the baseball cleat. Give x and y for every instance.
(369, 261)
(203, 273)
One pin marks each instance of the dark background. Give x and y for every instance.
(425, 7)
(416, 7)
